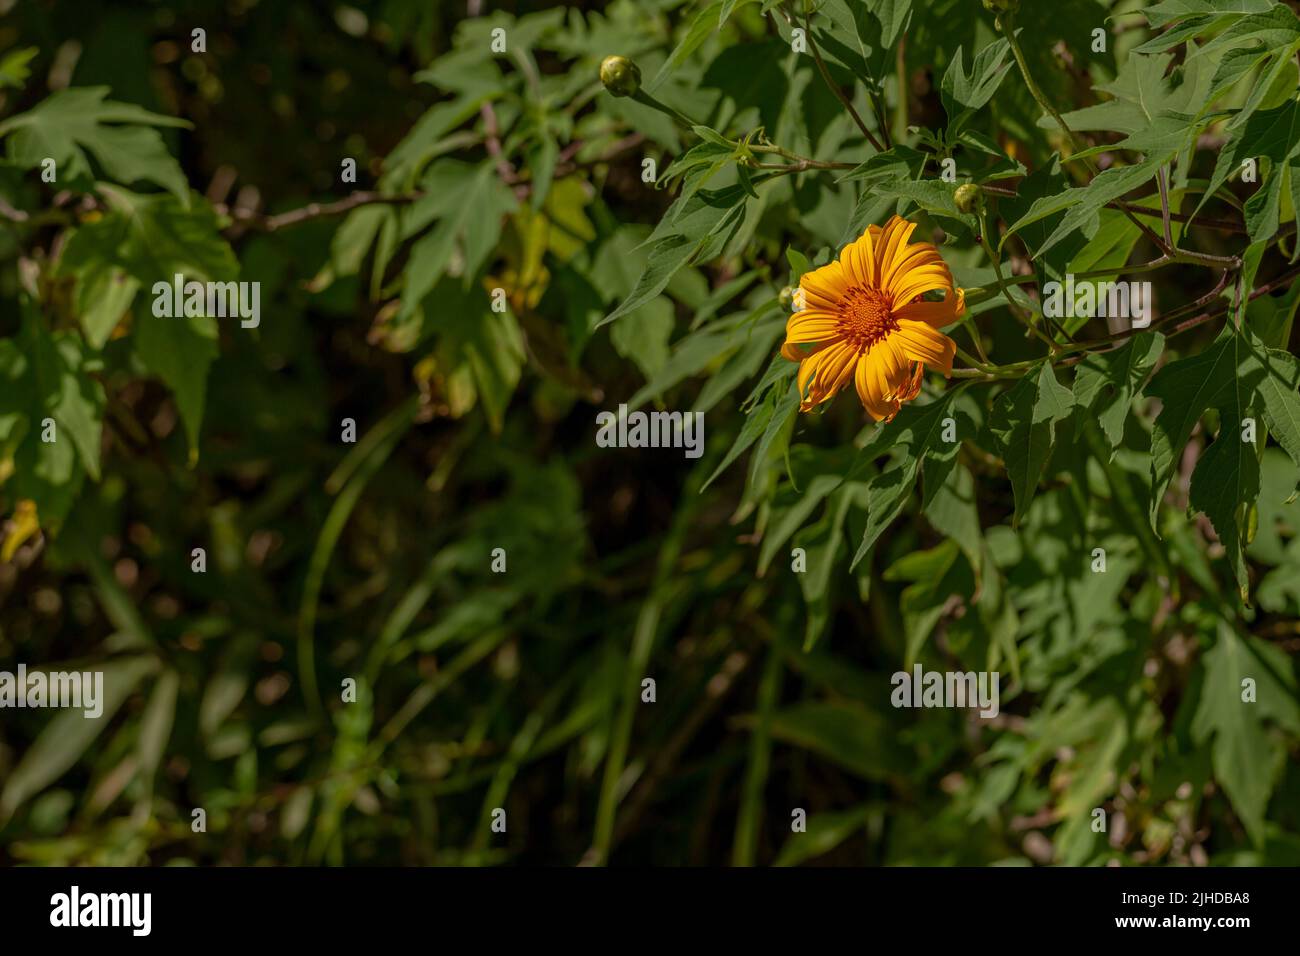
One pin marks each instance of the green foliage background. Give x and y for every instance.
(516, 170)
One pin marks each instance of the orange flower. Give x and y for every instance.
(863, 317)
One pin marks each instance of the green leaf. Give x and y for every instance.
(63, 390)
(469, 203)
(1171, 11)
(152, 238)
(825, 476)
(706, 21)
(103, 297)
(778, 430)
(1268, 134)
(695, 227)
(953, 513)
(1023, 422)
(156, 724)
(756, 424)
(643, 336)
(1141, 92)
(821, 543)
(1240, 378)
(1107, 382)
(935, 196)
(13, 68)
(825, 832)
(1279, 390)
(1083, 206)
(846, 734)
(428, 138)
(1035, 213)
(180, 351)
(490, 345)
(917, 431)
(1246, 757)
(863, 35)
(701, 161)
(963, 93)
(894, 16)
(728, 7)
(1275, 28)
(70, 123)
(744, 363)
(937, 575)
(66, 737)
(699, 349)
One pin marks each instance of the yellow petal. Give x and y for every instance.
(887, 375)
(808, 332)
(912, 257)
(812, 325)
(24, 524)
(867, 384)
(919, 281)
(821, 375)
(859, 260)
(923, 343)
(937, 314)
(824, 288)
(897, 232)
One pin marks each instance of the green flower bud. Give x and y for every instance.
(967, 197)
(1001, 6)
(620, 75)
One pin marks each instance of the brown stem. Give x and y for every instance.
(315, 210)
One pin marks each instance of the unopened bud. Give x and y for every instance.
(620, 75)
(967, 197)
(1002, 6)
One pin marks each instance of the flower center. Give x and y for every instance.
(865, 316)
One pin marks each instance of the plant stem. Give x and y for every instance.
(645, 99)
(1004, 289)
(1006, 24)
(900, 112)
(882, 113)
(835, 88)
(977, 294)
(798, 162)
(801, 166)
(977, 364)
(1162, 180)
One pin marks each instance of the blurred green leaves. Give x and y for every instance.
(499, 587)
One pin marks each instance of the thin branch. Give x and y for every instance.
(315, 210)
(803, 165)
(1080, 350)
(492, 140)
(1005, 23)
(995, 260)
(1222, 225)
(1161, 178)
(835, 88)
(9, 212)
(249, 219)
